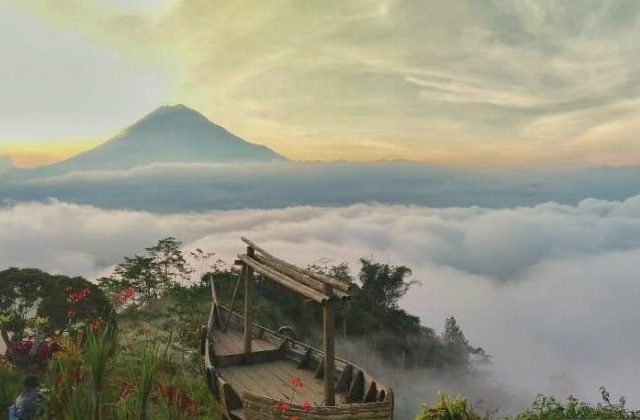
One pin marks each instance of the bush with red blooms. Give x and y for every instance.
(78, 296)
(74, 297)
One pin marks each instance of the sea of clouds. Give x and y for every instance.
(550, 291)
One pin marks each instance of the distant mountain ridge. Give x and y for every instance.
(170, 134)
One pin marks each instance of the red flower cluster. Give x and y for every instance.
(124, 296)
(75, 297)
(177, 398)
(282, 406)
(70, 313)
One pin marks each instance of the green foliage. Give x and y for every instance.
(146, 374)
(9, 379)
(101, 347)
(548, 408)
(29, 296)
(448, 408)
(152, 274)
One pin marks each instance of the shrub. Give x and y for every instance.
(448, 408)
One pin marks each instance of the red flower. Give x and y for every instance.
(71, 313)
(67, 288)
(294, 417)
(281, 406)
(76, 297)
(295, 381)
(125, 389)
(306, 405)
(96, 325)
(124, 296)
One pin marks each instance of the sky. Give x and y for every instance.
(465, 83)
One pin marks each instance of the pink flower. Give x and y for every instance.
(281, 406)
(295, 381)
(306, 405)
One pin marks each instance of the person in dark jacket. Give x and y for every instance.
(26, 405)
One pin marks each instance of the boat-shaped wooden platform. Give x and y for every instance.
(249, 386)
(259, 374)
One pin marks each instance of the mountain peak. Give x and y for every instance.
(172, 113)
(169, 134)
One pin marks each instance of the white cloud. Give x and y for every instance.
(551, 290)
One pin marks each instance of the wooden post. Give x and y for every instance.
(328, 348)
(248, 310)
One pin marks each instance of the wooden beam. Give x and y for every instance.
(336, 284)
(284, 280)
(329, 349)
(248, 305)
(302, 278)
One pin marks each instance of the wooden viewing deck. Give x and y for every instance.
(250, 368)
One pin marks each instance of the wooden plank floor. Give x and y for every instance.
(232, 342)
(271, 379)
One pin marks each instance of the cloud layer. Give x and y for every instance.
(188, 187)
(550, 291)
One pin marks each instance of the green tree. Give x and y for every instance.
(150, 275)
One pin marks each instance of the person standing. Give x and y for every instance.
(26, 405)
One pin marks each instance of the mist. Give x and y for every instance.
(550, 291)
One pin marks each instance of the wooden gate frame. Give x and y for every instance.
(316, 287)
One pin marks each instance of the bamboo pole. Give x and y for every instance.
(233, 299)
(214, 298)
(248, 310)
(329, 349)
(302, 278)
(284, 280)
(336, 284)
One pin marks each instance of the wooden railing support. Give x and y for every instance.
(248, 297)
(328, 348)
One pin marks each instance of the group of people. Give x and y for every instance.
(27, 404)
